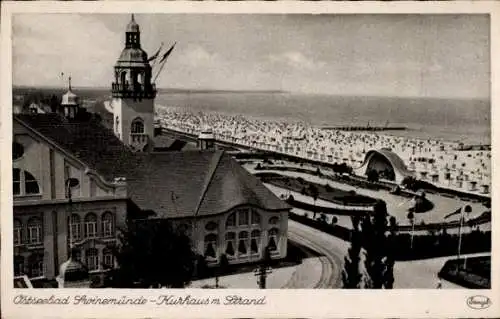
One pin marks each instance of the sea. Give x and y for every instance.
(467, 121)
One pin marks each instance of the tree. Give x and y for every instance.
(314, 192)
(351, 275)
(377, 250)
(151, 254)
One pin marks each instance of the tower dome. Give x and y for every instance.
(132, 25)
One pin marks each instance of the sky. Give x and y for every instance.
(441, 56)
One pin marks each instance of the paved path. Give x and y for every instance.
(423, 273)
(396, 205)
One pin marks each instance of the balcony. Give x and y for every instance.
(138, 91)
(138, 141)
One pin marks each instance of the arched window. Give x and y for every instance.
(92, 259)
(123, 77)
(210, 245)
(137, 126)
(230, 238)
(242, 243)
(18, 232)
(34, 231)
(107, 257)
(90, 226)
(273, 239)
(274, 220)
(211, 226)
(108, 227)
(75, 228)
(24, 183)
(255, 241)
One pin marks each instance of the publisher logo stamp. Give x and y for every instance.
(478, 302)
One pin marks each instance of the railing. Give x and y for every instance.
(138, 138)
(133, 90)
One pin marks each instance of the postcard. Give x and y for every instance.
(249, 159)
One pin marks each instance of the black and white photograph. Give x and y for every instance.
(251, 151)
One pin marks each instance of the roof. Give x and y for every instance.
(201, 183)
(172, 184)
(133, 57)
(87, 140)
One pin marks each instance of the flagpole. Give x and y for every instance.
(157, 54)
(161, 68)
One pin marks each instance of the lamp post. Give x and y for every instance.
(264, 269)
(70, 183)
(411, 217)
(466, 209)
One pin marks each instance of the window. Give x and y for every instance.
(273, 220)
(255, 217)
(107, 256)
(35, 231)
(24, 183)
(137, 126)
(76, 254)
(255, 242)
(92, 258)
(75, 230)
(273, 239)
(90, 225)
(243, 217)
(18, 265)
(211, 226)
(37, 267)
(18, 232)
(231, 221)
(107, 224)
(242, 243)
(230, 238)
(31, 184)
(16, 181)
(210, 244)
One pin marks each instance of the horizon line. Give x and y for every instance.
(263, 90)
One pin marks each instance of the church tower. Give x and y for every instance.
(133, 93)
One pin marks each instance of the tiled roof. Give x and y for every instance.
(172, 184)
(88, 140)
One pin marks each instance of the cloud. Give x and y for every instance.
(197, 56)
(296, 60)
(82, 41)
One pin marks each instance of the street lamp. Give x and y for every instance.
(69, 184)
(466, 209)
(264, 269)
(411, 217)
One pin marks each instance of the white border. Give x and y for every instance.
(280, 303)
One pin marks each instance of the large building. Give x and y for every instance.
(76, 183)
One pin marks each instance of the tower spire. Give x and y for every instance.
(133, 18)
(69, 82)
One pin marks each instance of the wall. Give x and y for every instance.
(128, 109)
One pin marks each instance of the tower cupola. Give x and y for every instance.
(70, 102)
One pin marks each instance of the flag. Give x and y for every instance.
(457, 212)
(165, 56)
(154, 56)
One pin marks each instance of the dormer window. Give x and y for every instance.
(24, 183)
